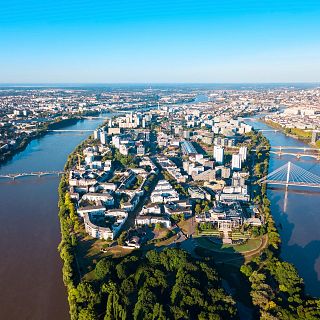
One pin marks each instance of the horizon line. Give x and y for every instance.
(2, 84)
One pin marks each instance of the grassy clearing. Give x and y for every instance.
(158, 234)
(301, 133)
(240, 235)
(210, 233)
(184, 225)
(221, 257)
(166, 242)
(251, 244)
(88, 252)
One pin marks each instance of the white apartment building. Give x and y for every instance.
(243, 153)
(218, 153)
(236, 162)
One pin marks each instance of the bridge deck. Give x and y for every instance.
(297, 184)
(27, 174)
(71, 130)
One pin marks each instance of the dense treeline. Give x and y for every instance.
(277, 291)
(160, 285)
(69, 225)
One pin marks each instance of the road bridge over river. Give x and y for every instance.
(292, 175)
(26, 174)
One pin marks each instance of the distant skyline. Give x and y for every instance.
(117, 41)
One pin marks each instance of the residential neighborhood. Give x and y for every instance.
(170, 169)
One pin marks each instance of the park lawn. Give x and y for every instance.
(116, 251)
(184, 225)
(210, 232)
(166, 242)
(90, 276)
(250, 245)
(222, 257)
(158, 234)
(119, 252)
(88, 253)
(301, 133)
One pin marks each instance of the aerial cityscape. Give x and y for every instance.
(179, 183)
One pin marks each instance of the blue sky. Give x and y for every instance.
(111, 41)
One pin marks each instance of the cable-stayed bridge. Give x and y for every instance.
(292, 175)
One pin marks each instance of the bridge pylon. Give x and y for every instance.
(292, 175)
(288, 173)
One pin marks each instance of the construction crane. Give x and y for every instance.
(79, 160)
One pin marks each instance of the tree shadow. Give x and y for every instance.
(227, 262)
(86, 256)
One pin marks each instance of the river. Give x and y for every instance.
(30, 268)
(298, 212)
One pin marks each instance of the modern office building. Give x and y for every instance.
(236, 162)
(243, 153)
(96, 134)
(218, 153)
(103, 135)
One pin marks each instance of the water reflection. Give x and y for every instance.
(296, 213)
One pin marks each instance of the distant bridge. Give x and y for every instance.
(92, 117)
(291, 148)
(292, 175)
(70, 130)
(268, 130)
(295, 148)
(299, 152)
(27, 174)
(296, 154)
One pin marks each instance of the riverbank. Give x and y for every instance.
(276, 287)
(295, 133)
(22, 143)
(294, 210)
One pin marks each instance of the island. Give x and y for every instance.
(163, 217)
